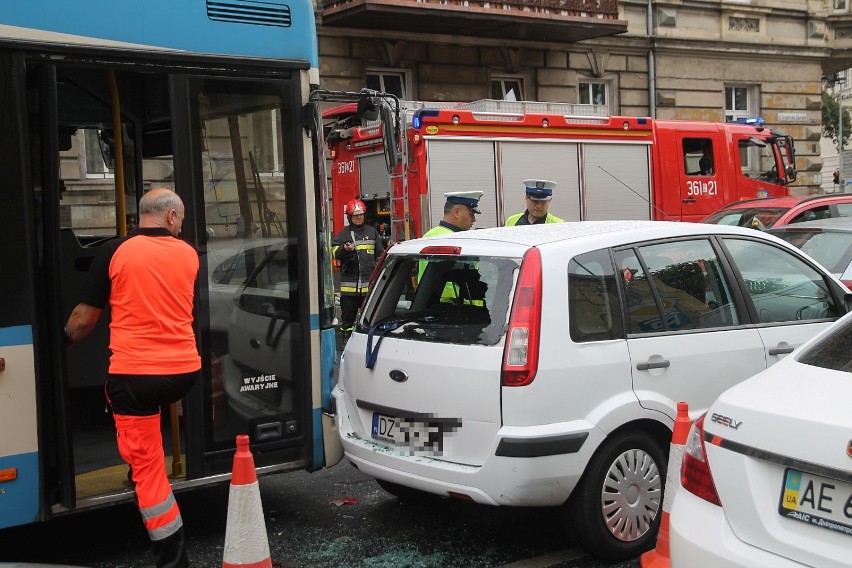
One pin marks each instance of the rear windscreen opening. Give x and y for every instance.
(444, 299)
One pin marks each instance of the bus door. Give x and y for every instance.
(258, 281)
(73, 149)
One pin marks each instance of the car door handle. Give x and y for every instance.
(781, 350)
(653, 365)
(689, 200)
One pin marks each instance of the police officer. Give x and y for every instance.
(357, 248)
(459, 213)
(539, 192)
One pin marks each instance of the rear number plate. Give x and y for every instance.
(418, 438)
(817, 500)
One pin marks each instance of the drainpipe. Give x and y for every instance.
(652, 73)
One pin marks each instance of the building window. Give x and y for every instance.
(99, 160)
(839, 5)
(593, 93)
(391, 81)
(741, 103)
(507, 88)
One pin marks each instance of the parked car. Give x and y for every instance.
(767, 474)
(542, 365)
(828, 241)
(764, 213)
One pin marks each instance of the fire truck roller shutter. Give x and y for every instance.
(374, 177)
(556, 161)
(462, 165)
(608, 168)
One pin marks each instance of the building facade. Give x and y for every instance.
(701, 60)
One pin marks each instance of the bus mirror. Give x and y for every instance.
(791, 173)
(368, 107)
(389, 137)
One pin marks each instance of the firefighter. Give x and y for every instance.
(539, 192)
(357, 247)
(459, 213)
(148, 280)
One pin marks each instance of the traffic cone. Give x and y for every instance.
(246, 544)
(659, 557)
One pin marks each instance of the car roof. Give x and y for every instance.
(786, 201)
(604, 231)
(842, 224)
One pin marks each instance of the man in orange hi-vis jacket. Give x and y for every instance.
(148, 280)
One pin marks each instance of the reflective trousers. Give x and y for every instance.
(136, 400)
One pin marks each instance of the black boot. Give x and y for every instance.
(171, 551)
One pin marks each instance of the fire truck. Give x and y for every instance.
(605, 167)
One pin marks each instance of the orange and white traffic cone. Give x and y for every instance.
(246, 544)
(659, 557)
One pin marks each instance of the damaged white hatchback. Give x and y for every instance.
(542, 365)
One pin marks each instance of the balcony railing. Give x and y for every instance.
(535, 20)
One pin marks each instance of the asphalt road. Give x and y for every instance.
(332, 518)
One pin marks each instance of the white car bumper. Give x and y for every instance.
(526, 481)
(700, 537)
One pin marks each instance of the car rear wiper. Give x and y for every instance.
(383, 328)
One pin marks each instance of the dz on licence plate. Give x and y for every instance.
(817, 500)
(415, 438)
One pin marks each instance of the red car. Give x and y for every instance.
(764, 213)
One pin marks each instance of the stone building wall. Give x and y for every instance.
(776, 48)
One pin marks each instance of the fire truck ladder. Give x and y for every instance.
(400, 226)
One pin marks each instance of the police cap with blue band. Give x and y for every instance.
(469, 198)
(539, 189)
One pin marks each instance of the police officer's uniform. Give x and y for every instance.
(468, 198)
(537, 190)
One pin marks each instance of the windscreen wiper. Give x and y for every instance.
(383, 328)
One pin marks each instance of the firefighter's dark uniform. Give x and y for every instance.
(356, 267)
(148, 279)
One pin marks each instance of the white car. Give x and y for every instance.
(767, 475)
(542, 365)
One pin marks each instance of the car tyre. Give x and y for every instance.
(615, 510)
(406, 494)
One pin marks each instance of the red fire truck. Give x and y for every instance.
(606, 167)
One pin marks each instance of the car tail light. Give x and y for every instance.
(695, 475)
(441, 250)
(520, 358)
(848, 284)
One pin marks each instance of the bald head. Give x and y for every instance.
(161, 207)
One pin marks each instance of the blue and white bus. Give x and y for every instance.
(99, 102)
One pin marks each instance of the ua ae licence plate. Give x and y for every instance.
(817, 500)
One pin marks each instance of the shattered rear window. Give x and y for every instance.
(442, 299)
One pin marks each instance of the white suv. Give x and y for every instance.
(542, 365)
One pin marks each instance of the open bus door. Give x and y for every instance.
(233, 149)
